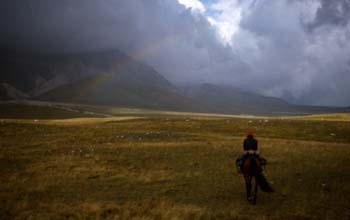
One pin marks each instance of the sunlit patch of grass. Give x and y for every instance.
(328, 117)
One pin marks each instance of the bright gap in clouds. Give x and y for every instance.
(224, 15)
(226, 18)
(195, 5)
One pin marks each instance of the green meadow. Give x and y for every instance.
(64, 165)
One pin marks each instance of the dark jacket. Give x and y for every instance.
(250, 143)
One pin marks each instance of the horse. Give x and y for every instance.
(252, 173)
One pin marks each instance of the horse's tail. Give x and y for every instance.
(260, 178)
(262, 182)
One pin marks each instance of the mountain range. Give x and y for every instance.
(110, 77)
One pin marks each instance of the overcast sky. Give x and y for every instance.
(295, 49)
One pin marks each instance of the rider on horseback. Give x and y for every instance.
(250, 165)
(250, 147)
(250, 143)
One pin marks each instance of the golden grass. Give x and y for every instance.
(71, 121)
(171, 168)
(329, 117)
(82, 121)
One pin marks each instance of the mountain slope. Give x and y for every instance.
(115, 90)
(36, 73)
(110, 77)
(225, 99)
(8, 92)
(107, 77)
(229, 100)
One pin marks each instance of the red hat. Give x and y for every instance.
(250, 133)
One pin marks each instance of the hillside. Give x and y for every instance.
(229, 100)
(225, 99)
(35, 73)
(107, 77)
(153, 92)
(8, 92)
(112, 78)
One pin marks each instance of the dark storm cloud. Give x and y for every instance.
(332, 12)
(163, 33)
(271, 53)
(64, 25)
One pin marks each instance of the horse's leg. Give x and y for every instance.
(255, 190)
(248, 185)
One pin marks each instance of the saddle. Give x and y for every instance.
(246, 155)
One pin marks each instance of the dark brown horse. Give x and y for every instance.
(253, 177)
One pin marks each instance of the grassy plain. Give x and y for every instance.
(171, 167)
